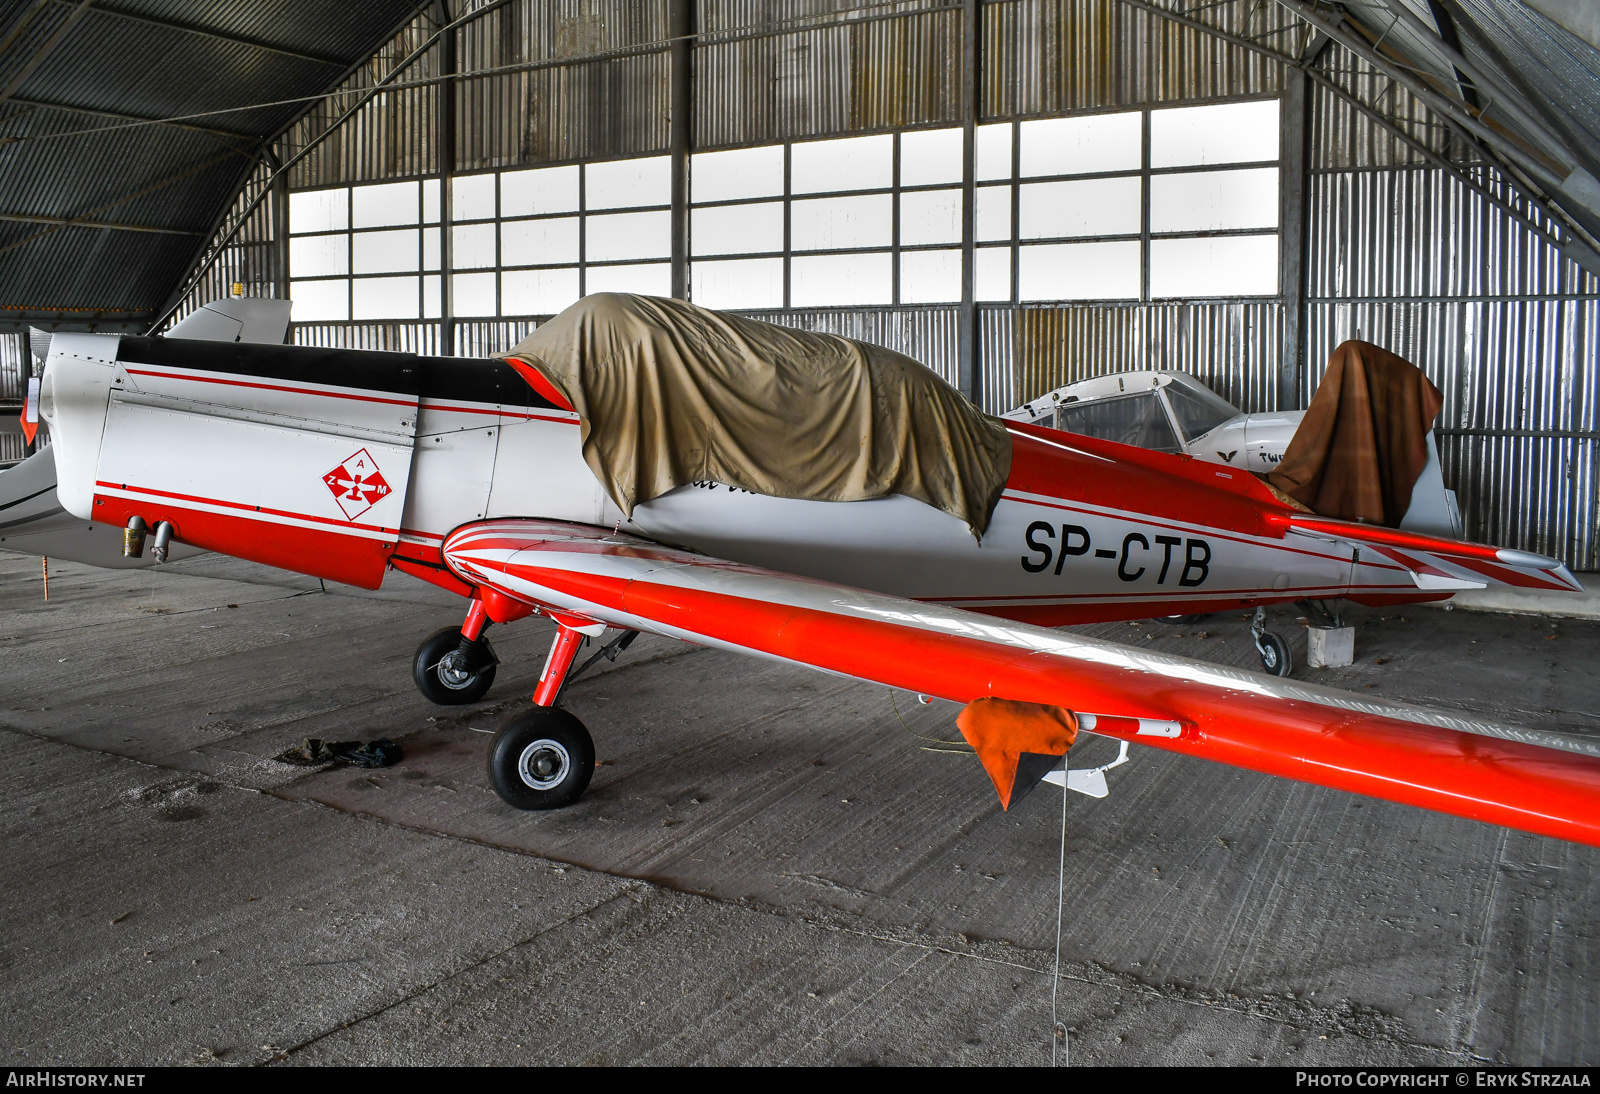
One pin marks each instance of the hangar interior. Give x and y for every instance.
(1017, 193)
(530, 150)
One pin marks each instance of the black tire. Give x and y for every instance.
(542, 759)
(1179, 620)
(1275, 659)
(440, 676)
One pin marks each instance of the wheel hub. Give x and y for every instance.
(543, 764)
(453, 671)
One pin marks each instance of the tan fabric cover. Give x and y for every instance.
(670, 394)
(1364, 439)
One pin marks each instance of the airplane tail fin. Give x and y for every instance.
(1443, 565)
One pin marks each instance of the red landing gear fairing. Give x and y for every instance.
(342, 464)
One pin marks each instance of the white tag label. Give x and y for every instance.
(30, 410)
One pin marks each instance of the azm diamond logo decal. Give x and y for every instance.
(357, 484)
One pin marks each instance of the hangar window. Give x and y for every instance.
(1141, 205)
(1175, 202)
(522, 243)
(563, 232)
(365, 252)
(1131, 205)
(857, 220)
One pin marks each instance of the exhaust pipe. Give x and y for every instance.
(133, 538)
(163, 540)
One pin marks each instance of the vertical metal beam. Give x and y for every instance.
(680, 20)
(444, 128)
(1015, 189)
(788, 225)
(583, 230)
(279, 218)
(894, 224)
(969, 374)
(1294, 134)
(1144, 217)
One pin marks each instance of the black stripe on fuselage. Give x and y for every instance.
(468, 379)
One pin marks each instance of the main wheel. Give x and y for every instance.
(542, 759)
(1275, 659)
(447, 676)
(1180, 620)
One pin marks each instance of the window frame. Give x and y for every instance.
(1145, 235)
(349, 233)
(895, 248)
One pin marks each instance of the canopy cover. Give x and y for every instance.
(669, 393)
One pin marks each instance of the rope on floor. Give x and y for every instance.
(1058, 1028)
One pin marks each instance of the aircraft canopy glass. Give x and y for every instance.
(1127, 419)
(1198, 409)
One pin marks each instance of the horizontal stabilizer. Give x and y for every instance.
(1439, 564)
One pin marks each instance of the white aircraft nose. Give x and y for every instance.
(73, 399)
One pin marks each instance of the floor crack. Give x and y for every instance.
(284, 1053)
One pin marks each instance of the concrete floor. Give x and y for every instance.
(771, 865)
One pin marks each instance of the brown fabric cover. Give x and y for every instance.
(1001, 730)
(1364, 439)
(1279, 494)
(669, 394)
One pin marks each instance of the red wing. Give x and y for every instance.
(1450, 762)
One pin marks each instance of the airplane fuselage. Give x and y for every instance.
(340, 463)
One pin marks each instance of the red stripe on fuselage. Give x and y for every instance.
(351, 559)
(266, 512)
(322, 391)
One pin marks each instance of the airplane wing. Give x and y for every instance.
(1447, 761)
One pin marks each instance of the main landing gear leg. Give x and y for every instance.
(456, 666)
(544, 758)
(1273, 647)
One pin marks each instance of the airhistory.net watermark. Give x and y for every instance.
(47, 1077)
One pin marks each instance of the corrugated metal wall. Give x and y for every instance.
(391, 136)
(251, 257)
(15, 367)
(824, 80)
(1232, 347)
(927, 333)
(1397, 252)
(1402, 255)
(1044, 57)
(522, 113)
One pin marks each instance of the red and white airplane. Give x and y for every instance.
(343, 464)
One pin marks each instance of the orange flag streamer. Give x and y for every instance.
(1001, 730)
